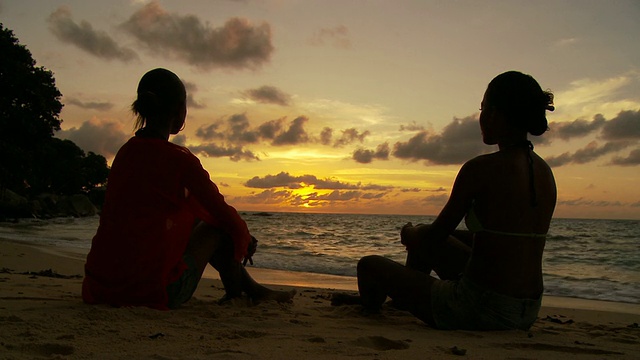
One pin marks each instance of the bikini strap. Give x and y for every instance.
(532, 185)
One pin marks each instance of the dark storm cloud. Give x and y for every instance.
(349, 136)
(632, 159)
(337, 36)
(365, 156)
(576, 128)
(83, 36)
(234, 153)
(269, 95)
(100, 137)
(589, 153)
(91, 105)
(458, 142)
(295, 134)
(238, 44)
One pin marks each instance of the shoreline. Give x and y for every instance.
(75, 265)
(44, 317)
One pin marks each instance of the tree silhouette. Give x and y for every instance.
(32, 161)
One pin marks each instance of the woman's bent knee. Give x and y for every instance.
(369, 262)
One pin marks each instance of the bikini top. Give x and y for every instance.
(474, 225)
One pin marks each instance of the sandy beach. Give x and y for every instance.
(42, 316)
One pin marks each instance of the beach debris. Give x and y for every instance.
(458, 351)
(557, 320)
(50, 273)
(156, 336)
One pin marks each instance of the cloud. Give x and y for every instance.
(349, 136)
(237, 129)
(286, 180)
(191, 89)
(235, 153)
(210, 132)
(269, 196)
(179, 140)
(91, 105)
(238, 44)
(83, 36)
(630, 160)
(269, 95)
(625, 126)
(412, 127)
(295, 134)
(436, 200)
(337, 37)
(325, 135)
(576, 128)
(585, 202)
(365, 156)
(599, 96)
(100, 137)
(589, 153)
(458, 142)
(271, 129)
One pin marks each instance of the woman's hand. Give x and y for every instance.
(251, 249)
(407, 235)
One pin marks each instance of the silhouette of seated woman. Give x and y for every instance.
(163, 219)
(490, 277)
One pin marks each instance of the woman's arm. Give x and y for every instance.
(462, 195)
(209, 205)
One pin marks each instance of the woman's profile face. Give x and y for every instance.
(178, 122)
(486, 122)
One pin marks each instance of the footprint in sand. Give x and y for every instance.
(380, 343)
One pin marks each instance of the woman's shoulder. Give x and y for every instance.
(483, 160)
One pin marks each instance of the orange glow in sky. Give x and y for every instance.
(350, 106)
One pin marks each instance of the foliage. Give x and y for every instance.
(32, 161)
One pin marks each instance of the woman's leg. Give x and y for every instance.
(379, 277)
(209, 245)
(448, 259)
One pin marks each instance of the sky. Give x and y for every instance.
(352, 106)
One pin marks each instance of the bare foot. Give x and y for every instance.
(338, 299)
(274, 295)
(408, 235)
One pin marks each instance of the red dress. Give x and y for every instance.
(156, 190)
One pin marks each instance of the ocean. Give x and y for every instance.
(583, 258)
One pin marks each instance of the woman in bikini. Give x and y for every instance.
(163, 219)
(490, 277)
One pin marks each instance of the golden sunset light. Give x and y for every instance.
(352, 106)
